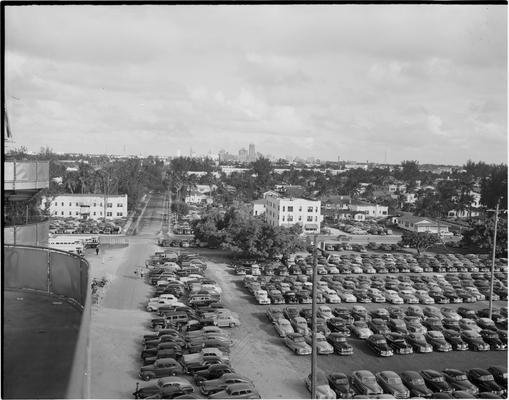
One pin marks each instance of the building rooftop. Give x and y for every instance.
(39, 344)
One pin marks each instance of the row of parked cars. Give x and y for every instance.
(363, 228)
(391, 331)
(187, 354)
(429, 383)
(70, 226)
(409, 289)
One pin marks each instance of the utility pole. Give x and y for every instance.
(493, 259)
(313, 324)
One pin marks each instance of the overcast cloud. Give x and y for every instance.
(413, 82)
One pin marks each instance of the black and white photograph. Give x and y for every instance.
(221, 200)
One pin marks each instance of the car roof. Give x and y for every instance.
(173, 379)
(389, 374)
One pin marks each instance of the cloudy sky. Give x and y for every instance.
(360, 82)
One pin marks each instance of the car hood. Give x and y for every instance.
(488, 386)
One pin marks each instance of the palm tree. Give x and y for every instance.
(70, 181)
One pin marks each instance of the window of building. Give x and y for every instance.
(55, 212)
(77, 213)
(119, 205)
(70, 213)
(310, 209)
(300, 208)
(290, 208)
(316, 219)
(56, 203)
(283, 208)
(94, 213)
(70, 204)
(109, 214)
(62, 203)
(95, 204)
(316, 209)
(100, 204)
(290, 217)
(109, 205)
(101, 213)
(300, 217)
(283, 218)
(310, 219)
(77, 204)
(119, 214)
(62, 213)
(256, 212)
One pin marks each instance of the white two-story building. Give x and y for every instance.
(371, 210)
(87, 206)
(286, 211)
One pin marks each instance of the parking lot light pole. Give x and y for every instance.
(313, 323)
(493, 260)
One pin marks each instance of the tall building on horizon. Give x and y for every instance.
(243, 155)
(252, 153)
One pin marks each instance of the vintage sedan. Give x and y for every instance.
(484, 381)
(340, 383)
(297, 343)
(212, 386)
(454, 338)
(459, 381)
(391, 383)
(338, 325)
(237, 391)
(474, 341)
(360, 329)
(212, 372)
(397, 325)
(283, 327)
(161, 367)
(433, 324)
(273, 314)
(437, 340)
(322, 345)
(379, 345)
(435, 381)
(162, 386)
(364, 382)
(413, 325)
(415, 383)
(378, 326)
(300, 325)
(344, 314)
(340, 344)
(290, 312)
(398, 343)
(499, 372)
(419, 343)
(491, 337)
(323, 389)
(359, 313)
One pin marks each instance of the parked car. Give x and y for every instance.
(212, 386)
(323, 390)
(283, 327)
(459, 381)
(323, 347)
(273, 314)
(297, 343)
(163, 385)
(161, 367)
(338, 325)
(484, 381)
(435, 381)
(492, 339)
(340, 383)
(379, 345)
(499, 372)
(454, 338)
(364, 383)
(237, 391)
(392, 384)
(398, 343)
(437, 340)
(474, 341)
(340, 344)
(415, 383)
(212, 372)
(419, 343)
(360, 329)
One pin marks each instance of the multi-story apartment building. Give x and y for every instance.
(285, 211)
(88, 206)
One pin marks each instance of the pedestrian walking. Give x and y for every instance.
(97, 250)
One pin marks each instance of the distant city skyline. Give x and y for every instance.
(383, 83)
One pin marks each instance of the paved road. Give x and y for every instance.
(119, 323)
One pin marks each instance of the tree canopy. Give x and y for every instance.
(419, 240)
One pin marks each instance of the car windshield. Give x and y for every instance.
(394, 381)
(380, 341)
(369, 380)
(486, 378)
(418, 381)
(341, 381)
(419, 336)
(437, 379)
(459, 378)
